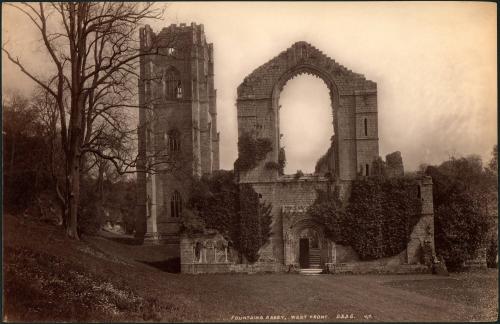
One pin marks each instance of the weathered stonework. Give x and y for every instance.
(177, 87)
(354, 110)
(394, 165)
(177, 125)
(354, 150)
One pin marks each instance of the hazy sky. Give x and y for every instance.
(435, 65)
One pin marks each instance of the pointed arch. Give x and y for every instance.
(352, 97)
(172, 84)
(176, 205)
(173, 139)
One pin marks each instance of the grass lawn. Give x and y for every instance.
(48, 278)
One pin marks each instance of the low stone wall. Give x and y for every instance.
(391, 265)
(478, 260)
(341, 268)
(362, 268)
(199, 268)
(195, 268)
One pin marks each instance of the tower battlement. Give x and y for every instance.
(179, 129)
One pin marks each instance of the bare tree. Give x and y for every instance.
(94, 51)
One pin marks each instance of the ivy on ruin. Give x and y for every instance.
(378, 219)
(255, 223)
(280, 165)
(251, 151)
(217, 202)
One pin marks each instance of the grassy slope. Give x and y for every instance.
(48, 278)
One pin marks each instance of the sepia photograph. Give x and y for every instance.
(240, 162)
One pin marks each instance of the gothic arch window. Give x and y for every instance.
(176, 205)
(366, 126)
(197, 251)
(172, 85)
(173, 141)
(179, 90)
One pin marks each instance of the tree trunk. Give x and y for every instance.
(73, 197)
(73, 189)
(100, 192)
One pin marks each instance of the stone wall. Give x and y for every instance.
(394, 165)
(185, 61)
(354, 110)
(290, 198)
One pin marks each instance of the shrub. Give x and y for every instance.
(214, 199)
(280, 165)
(191, 223)
(298, 174)
(251, 151)
(255, 221)
(460, 193)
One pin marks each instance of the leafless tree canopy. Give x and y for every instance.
(93, 49)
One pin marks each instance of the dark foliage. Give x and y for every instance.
(118, 208)
(328, 210)
(214, 204)
(26, 170)
(462, 190)
(492, 253)
(378, 219)
(236, 212)
(251, 151)
(90, 220)
(379, 167)
(250, 233)
(298, 174)
(280, 165)
(271, 165)
(324, 163)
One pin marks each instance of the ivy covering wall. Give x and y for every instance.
(218, 202)
(280, 165)
(255, 223)
(378, 219)
(251, 151)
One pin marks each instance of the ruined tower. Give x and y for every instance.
(178, 136)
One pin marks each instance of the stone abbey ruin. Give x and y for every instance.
(177, 83)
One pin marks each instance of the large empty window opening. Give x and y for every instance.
(306, 122)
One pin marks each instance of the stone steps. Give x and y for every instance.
(311, 271)
(314, 259)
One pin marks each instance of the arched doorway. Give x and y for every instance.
(309, 248)
(305, 243)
